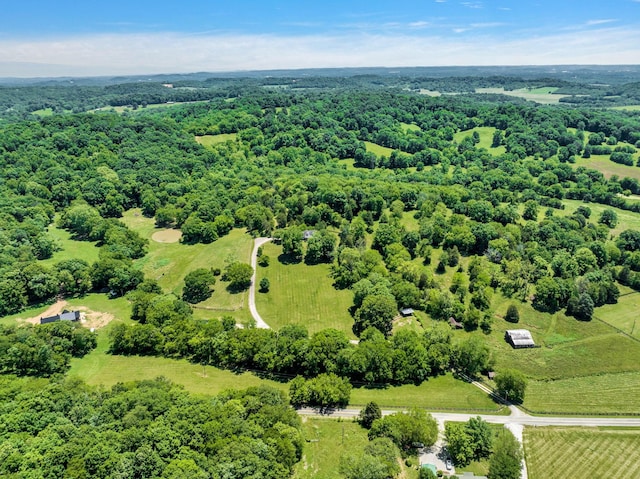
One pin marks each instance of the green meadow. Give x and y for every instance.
(486, 138)
(558, 453)
(302, 294)
(168, 263)
(377, 149)
(210, 140)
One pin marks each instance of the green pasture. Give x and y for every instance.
(168, 263)
(602, 394)
(325, 442)
(44, 112)
(433, 93)
(555, 452)
(101, 368)
(302, 294)
(348, 164)
(626, 219)
(210, 140)
(542, 95)
(438, 393)
(377, 149)
(409, 127)
(623, 315)
(568, 348)
(627, 108)
(69, 248)
(608, 168)
(486, 138)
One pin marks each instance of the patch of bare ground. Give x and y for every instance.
(88, 318)
(167, 236)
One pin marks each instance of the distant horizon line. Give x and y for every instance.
(35, 76)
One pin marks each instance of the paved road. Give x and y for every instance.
(252, 289)
(515, 418)
(515, 422)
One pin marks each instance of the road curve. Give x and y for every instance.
(260, 323)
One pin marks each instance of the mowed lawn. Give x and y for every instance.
(602, 394)
(439, 393)
(543, 95)
(608, 168)
(623, 315)
(626, 219)
(168, 263)
(327, 440)
(209, 140)
(580, 367)
(378, 150)
(486, 138)
(302, 294)
(101, 368)
(554, 452)
(69, 248)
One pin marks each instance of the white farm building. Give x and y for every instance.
(519, 338)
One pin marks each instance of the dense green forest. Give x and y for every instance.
(146, 429)
(438, 204)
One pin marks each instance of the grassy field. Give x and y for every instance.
(623, 315)
(410, 127)
(604, 394)
(486, 138)
(543, 95)
(377, 149)
(302, 294)
(580, 453)
(168, 263)
(327, 440)
(626, 219)
(439, 393)
(100, 368)
(70, 249)
(608, 168)
(568, 348)
(209, 140)
(628, 107)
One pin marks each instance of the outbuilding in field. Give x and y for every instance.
(519, 338)
(64, 316)
(404, 312)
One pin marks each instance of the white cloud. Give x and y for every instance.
(488, 25)
(172, 53)
(601, 21)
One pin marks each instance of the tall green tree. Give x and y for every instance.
(506, 460)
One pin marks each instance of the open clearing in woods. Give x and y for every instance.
(559, 453)
(169, 262)
(302, 294)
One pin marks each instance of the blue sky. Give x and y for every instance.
(66, 37)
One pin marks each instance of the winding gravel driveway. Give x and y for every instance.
(252, 289)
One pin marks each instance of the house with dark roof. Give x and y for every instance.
(64, 316)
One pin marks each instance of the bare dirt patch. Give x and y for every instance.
(167, 236)
(88, 318)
